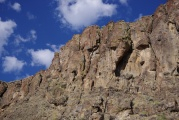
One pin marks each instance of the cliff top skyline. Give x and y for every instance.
(31, 31)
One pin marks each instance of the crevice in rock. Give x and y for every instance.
(151, 25)
(121, 64)
(5, 106)
(98, 41)
(40, 81)
(3, 88)
(175, 109)
(94, 48)
(92, 85)
(131, 107)
(80, 98)
(3, 93)
(177, 69)
(79, 42)
(90, 49)
(156, 59)
(86, 70)
(142, 47)
(113, 48)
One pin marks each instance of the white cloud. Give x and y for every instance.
(139, 17)
(123, 2)
(41, 57)
(32, 36)
(6, 29)
(30, 16)
(82, 13)
(16, 6)
(55, 48)
(12, 64)
(1, 1)
(19, 39)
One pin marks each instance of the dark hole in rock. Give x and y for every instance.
(99, 73)
(94, 48)
(90, 50)
(74, 72)
(128, 76)
(142, 47)
(174, 110)
(98, 41)
(159, 40)
(142, 63)
(92, 85)
(178, 69)
(131, 106)
(113, 48)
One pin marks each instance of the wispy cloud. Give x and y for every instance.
(16, 6)
(139, 17)
(124, 2)
(42, 57)
(55, 48)
(6, 29)
(1, 1)
(12, 64)
(32, 36)
(81, 13)
(30, 16)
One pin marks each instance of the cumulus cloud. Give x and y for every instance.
(16, 6)
(41, 57)
(124, 2)
(1, 1)
(12, 64)
(30, 16)
(82, 13)
(32, 36)
(6, 29)
(55, 48)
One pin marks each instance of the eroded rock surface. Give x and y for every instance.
(123, 71)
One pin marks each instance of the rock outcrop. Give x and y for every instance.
(123, 71)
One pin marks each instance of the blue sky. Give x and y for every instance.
(32, 30)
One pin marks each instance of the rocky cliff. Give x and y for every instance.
(123, 71)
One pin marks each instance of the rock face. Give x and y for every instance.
(123, 71)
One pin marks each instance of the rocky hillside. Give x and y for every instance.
(123, 71)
